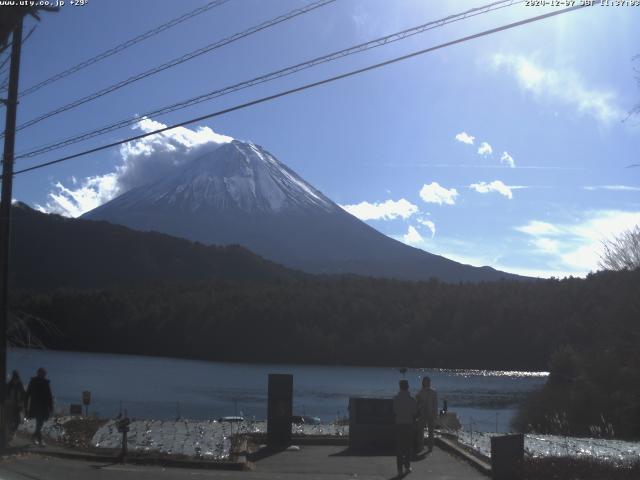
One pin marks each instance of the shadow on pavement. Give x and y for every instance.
(21, 473)
(13, 450)
(106, 465)
(377, 453)
(263, 453)
(421, 456)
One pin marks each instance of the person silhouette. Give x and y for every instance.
(14, 402)
(427, 399)
(39, 402)
(405, 409)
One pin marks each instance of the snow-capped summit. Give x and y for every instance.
(241, 194)
(236, 176)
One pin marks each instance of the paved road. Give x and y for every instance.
(311, 462)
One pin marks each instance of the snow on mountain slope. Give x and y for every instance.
(241, 194)
(236, 176)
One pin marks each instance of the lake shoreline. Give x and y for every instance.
(517, 372)
(168, 388)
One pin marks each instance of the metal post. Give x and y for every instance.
(123, 427)
(5, 216)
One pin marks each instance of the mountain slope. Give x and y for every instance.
(50, 251)
(241, 194)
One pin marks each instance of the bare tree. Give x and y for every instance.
(22, 327)
(623, 251)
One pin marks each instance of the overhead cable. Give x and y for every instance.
(307, 86)
(378, 42)
(124, 45)
(176, 61)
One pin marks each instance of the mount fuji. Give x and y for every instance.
(241, 194)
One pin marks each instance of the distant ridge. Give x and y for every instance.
(50, 251)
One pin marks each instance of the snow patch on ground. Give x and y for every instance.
(193, 438)
(202, 439)
(540, 446)
(52, 428)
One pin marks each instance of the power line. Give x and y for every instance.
(274, 75)
(123, 46)
(4, 65)
(177, 61)
(308, 86)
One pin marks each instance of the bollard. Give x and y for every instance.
(279, 410)
(507, 455)
(123, 427)
(86, 401)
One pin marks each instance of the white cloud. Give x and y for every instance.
(464, 137)
(508, 159)
(153, 157)
(482, 254)
(617, 188)
(547, 245)
(577, 246)
(142, 161)
(536, 227)
(92, 192)
(387, 210)
(495, 186)
(485, 149)
(429, 224)
(412, 236)
(434, 193)
(565, 86)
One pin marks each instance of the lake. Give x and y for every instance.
(165, 388)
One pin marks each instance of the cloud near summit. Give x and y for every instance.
(142, 161)
(387, 210)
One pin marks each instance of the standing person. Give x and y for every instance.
(39, 402)
(405, 409)
(14, 403)
(428, 409)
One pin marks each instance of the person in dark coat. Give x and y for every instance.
(14, 403)
(39, 402)
(405, 408)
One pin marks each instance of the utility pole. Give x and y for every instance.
(11, 23)
(5, 218)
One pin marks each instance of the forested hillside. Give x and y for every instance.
(50, 251)
(355, 320)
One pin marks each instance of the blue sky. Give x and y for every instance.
(510, 150)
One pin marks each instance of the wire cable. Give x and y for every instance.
(177, 61)
(4, 66)
(273, 75)
(307, 86)
(123, 46)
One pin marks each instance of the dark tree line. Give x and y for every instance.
(354, 320)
